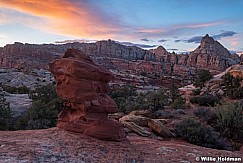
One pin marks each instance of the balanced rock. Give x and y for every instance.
(83, 85)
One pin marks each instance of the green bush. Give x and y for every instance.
(23, 90)
(44, 93)
(230, 120)
(20, 122)
(179, 103)
(5, 114)
(128, 100)
(232, 86)
(43, 111)
(143, 73)
(9, 89)
(196, 92)
(205, 100)
(15, 90)
(201, 77)
(157, 99)
(206, 114)
(197, 133)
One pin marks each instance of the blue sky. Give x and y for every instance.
(178, 25)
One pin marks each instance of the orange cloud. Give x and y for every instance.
(83, 19)
(67, 17)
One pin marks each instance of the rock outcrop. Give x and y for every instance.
(159, 128)
(214, 86)
(212, 55)
(83, 85)
(113, 56)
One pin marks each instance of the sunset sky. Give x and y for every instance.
(178, 25)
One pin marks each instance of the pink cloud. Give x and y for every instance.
(199, 25)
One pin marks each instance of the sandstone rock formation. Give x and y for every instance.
(84, 86)
(212, 55)
(159, 128)
(31, 56)
(209, 53)
(214, 85)
(114, 56)
(138, 120)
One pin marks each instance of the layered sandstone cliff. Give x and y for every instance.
(212, 55)
(112, 55)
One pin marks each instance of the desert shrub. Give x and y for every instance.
(39, 124)
(131, 104)
(164, 114)
(44, 93)
(230, 119)
(196, 92)
(233, 87)
(15, 90)
(127, 99)
(9, 89)
(179, 103)
(205, 100)
(197, 133)
(143, 73)
(201, 77)
(123, 91)
(206, 114)
(174, 91)
(157, 99)
(5, 114)
(23, 90)
(43, 111)
(20, 122)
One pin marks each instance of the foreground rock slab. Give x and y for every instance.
(56, 145)
(83, 85)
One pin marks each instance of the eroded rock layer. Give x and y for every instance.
(83, 85)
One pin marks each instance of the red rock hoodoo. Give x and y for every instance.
(83, 85)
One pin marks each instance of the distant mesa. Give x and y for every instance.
(83, 85)
(210, 54)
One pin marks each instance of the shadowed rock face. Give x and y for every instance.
(83, 85)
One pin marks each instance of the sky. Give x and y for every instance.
(177, 25)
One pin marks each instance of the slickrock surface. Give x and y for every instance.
(19, 103)
(55, 145)
(84, 86)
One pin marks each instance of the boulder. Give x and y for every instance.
(138, 120)
(163, 121)
(83, 85)
(137, 129)
(159, 128)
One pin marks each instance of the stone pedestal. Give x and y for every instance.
(83, 85)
